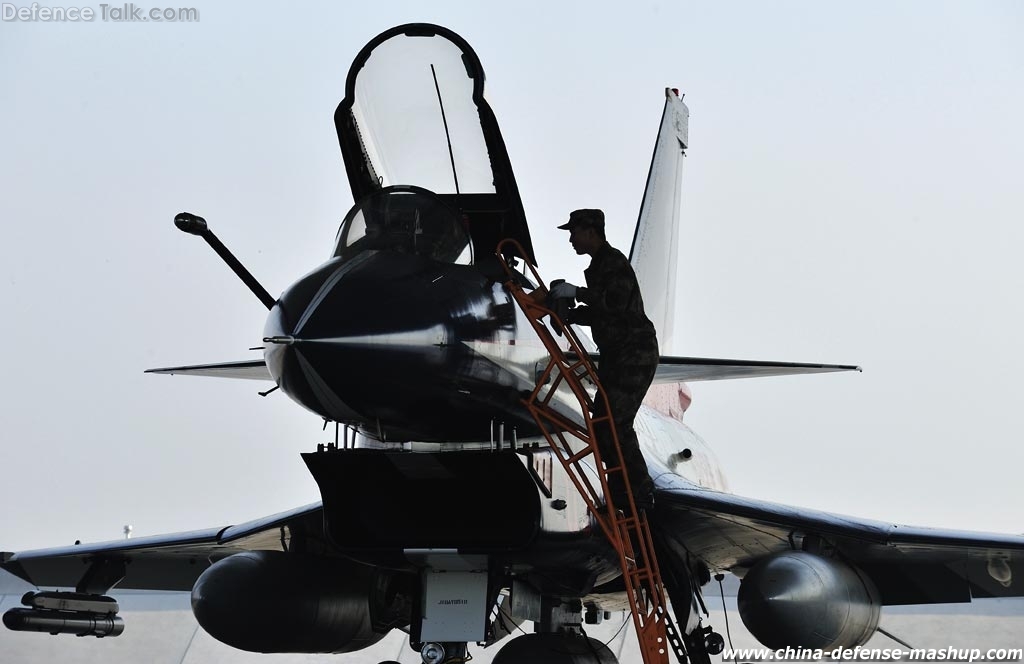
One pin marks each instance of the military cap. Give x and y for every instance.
(587, 218)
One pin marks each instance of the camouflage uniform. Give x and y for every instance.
(629, 356)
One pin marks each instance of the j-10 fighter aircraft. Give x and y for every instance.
(444, 511)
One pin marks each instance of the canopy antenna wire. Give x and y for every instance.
(447, 135)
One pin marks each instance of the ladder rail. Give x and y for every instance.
(627, 530)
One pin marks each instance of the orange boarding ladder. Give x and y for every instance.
(623, 525)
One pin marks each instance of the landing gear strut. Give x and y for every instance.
(702, 642)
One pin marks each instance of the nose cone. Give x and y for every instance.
(283, 352)
(377, 340)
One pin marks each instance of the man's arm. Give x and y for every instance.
(610, 297)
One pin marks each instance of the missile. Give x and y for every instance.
(79, 623)
(66, 613)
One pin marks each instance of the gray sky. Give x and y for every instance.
(852, 195)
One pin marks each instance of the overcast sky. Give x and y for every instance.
(852, 195)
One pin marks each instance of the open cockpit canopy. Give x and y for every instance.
(414, 115)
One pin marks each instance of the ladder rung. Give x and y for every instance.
(579, 455)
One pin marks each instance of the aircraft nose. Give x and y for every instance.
(386, 341)
(339, 338)
(309, 333)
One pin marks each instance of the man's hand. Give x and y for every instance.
(562, 290)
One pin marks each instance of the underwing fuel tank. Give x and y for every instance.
(269, 601)
(801, 600)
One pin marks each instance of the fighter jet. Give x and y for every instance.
(445, 512)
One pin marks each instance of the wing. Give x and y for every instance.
(166, 562)
(670, 369)
(909, 565)
(248, 369)
(688, 369)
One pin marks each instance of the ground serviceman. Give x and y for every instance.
(614, 311)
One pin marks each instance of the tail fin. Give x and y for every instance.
(656, 240)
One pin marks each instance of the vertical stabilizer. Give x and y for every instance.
(656, 241)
